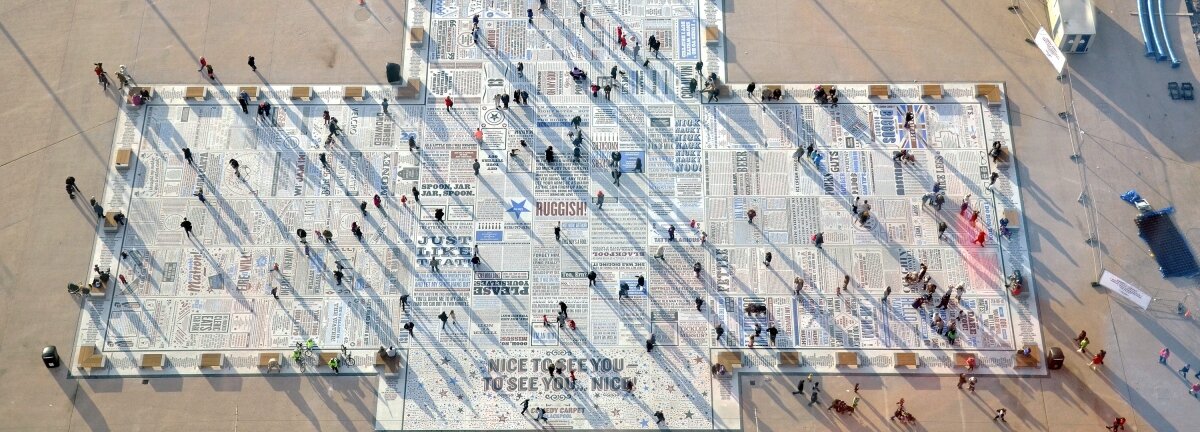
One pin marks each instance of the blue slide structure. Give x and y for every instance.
(1158, 42)
(1162, 27)
(1144, 20)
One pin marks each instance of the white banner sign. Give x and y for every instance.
(1050, 50)
(1125, 289)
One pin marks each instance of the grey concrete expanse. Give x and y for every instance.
(60, 123)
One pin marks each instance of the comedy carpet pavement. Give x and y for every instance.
(697, 167)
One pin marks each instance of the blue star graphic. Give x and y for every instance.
(517, 208)
(645, 423)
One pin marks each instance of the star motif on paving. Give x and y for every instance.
(460, 397)
(616, 412)
(460, 410)
(445, 360)
(442, 393)
(689, 414)
(671, 388)
(517, 208)
(452, 381)
(503, 418)
(698, 359)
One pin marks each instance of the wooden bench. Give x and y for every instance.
(931, 91)
(790, 359)
(1014, 218)
(847, 358)
(989, 91)
(880, 91)
(733, 359)
(110, 221)
(325, 357)
(410, 90)
(389, 365)
(153, 361)
(302, 93)
(905, 359)
(416, 36)
(354, 92)
(90, 358)
(252, 92)
(960, 359)
(212, 361)
(1031, 361)
(195, 93)
(124, 158)
(98, 291)
(712, 35)
(270, 361)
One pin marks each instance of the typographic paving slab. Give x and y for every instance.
(502, 212)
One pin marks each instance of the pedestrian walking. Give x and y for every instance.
(767, 259)
(524, 406)
(385, 105)
(699, 304)
(253, 67)
(71, 188)
(812, 399)
(1098, 360)
(235, 165)
(971, 383)
(659, 415)
(750, 89)
(200, 194)
(855, 388)
(600, 200)
(583, 16)
(962, 379)
(591, 278)
(187, 227)
(443, 317)
(641, 281)
(1082, 335)
(1000, 415)
(772, 332)
(980, 238)
(558, 232)
(203, 63)
(1195, 390)
(818, 239)
(720, 329)
(333, 364)
(697, 268)
(941, 229)
(449, 103)
(97, 208)
(209, 69)
(750, 214)
(1118, 422)
(798, 284)
(338, 276)
(1185, 369)
(992, 179)
(886, 292)
(661, 253)
(650, 343)
(475, 166)
(1163, 355)
(671, 233)
(1083, 343)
